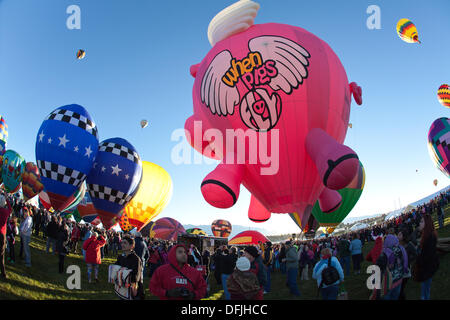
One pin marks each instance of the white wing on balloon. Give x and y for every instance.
(218, 96)
(290, 58)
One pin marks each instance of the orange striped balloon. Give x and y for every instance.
(444, 95)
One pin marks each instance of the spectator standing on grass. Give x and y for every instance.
(93, 259)
(411, 250)
(282, 258)
(256, 265)
(344, 254)
(427, 262)
(292, 269)
(227, 265)
(51, 232)
(356, 251)
(329, 274)
(5, 212)
(11, 232)
(268, 260)
(25, 234)
(62, 245)
(140, 248)
(373, 254)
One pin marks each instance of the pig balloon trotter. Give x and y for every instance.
(288, 91)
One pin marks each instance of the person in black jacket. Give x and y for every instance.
(141, 249)
(227, 265)
(130, 260)
(216, 260)
(62, 242)
(52, 233)
(427, 262)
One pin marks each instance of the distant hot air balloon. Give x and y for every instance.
(330, 230)
(221, 228)
(144, 123)
(407, 31)
(166, 229)
(197, 231)
(439, 144)
(350, 125)
(444, 95)
(12, 171)
(154, 193)
(66, 147)
(80, 54)
(3, 135)
(114, 178)
(435, 182)
(31, 181)
(1, 165)
(248, 238)
(350, 196)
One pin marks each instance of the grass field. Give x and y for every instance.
(42, 281)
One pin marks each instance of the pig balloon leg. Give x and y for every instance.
(329, 200)
(257, 212)
(336, 163)
(221, 187)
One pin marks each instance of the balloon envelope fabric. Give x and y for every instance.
(155, 192)
(12, 171)
(3, 135)
(114, 178)
(197, 231)
(31, 181)
(86, 209)
(248, 237)
(167, 229)
(221, 228)
(66, 147)
(350, 196)
(439, 144)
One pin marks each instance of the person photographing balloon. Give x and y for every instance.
(177, 280)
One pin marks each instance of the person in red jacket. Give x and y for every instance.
(5, 212)
(75, 237)
(373, 255)
(177, 280)
(93, 256)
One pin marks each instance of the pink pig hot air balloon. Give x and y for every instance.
(272, 102)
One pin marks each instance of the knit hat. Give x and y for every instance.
(252, 251)
(243, 264)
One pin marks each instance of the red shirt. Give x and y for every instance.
(4, 215)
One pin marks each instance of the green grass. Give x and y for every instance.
(42, 281)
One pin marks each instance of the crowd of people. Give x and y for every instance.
(404, 248)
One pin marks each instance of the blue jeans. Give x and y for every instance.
(26, 249)
(51, 241)
(345, 263)
(393, 294)
(283, 267)
(425, 289)
(330, 293)
(441, 220)
(292, 281)
(224, 285)
(268, 283)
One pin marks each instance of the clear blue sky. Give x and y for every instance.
(138, 54)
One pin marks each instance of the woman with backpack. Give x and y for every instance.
(427, 262)
(411, 250)
(393, 263)
(329, 274)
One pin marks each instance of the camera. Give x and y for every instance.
(184, 293)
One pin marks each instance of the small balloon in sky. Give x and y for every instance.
(444, 95)
(144, 123)
(407, 31)
(80, 54)
(350, 125)
(435, 182)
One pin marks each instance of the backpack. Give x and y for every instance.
(329, 275)
(397, 269)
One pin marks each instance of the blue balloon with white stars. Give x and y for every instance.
(66, 147)
(115, 177)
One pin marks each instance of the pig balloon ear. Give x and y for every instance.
(194, 69)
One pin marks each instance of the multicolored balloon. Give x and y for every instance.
(86, 209)
(66, 147)
(350, 196)
(154, 194)
(78, 196)
(3, 135)
(435, 182)
(124, 223)
(44, 200)
(305, 226)
(80, 54)
(443, 95)
(407, 31)
(166, 229)
(114, 178)
(145, 231)
(221, 228)
(248, 238)
(31, 181)
(439, 144)
(12, 171)
(144, 123)
(196, 231)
